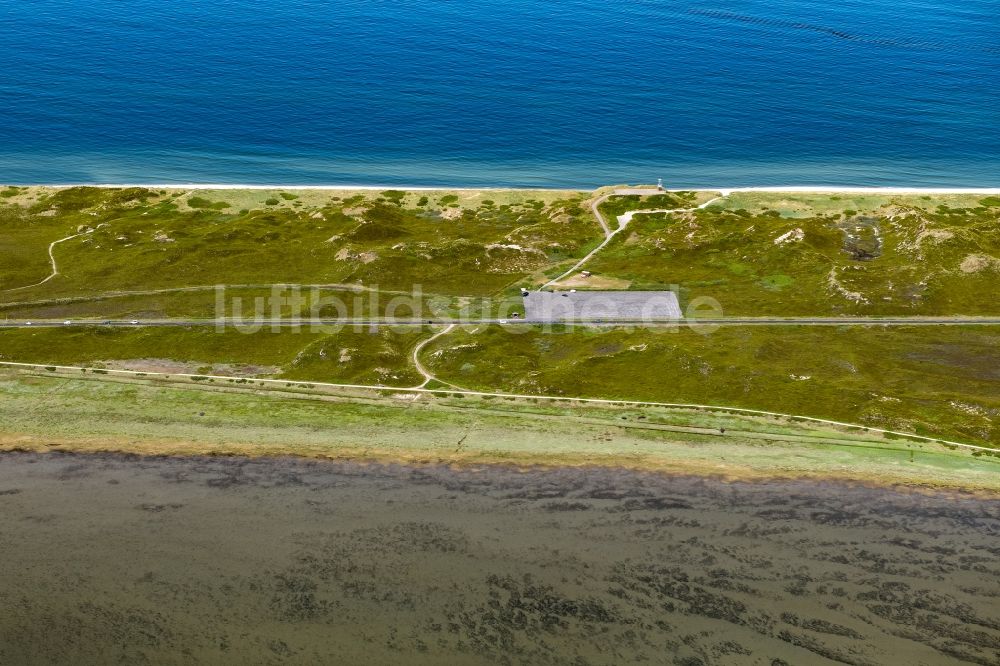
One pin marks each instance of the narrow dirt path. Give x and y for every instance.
(623, 221)
(596, 208)
(52, 261)
(52, 258)
(428, 375)
(280, 383)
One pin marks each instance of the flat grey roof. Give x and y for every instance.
(605, 305)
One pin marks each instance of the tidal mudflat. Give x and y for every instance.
(111, 558)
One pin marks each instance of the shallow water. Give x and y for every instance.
(121, 559)
(478, 93)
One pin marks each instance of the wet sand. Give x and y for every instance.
(111, 558)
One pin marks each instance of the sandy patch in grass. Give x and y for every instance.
(975, 263)
(578, 281)
(793, 236)
(168, 366)
(345, 254)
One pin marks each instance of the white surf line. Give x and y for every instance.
(820, 189)
(465, 188)
(521, 396)
(52, 260)
(300, 187)
(623, 221)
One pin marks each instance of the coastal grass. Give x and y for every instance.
(242, 303)
(349, 355)
(889, 255)
(140, 239)
(313, 198)
(776, 254)
(810, 204)
(44, 413)
(937, 381)
(620, 204)
(756, 253)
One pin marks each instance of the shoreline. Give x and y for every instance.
(129, 449)
(517, 435)
(804, 189)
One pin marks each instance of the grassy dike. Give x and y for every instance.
(940, 381)
(48, 409)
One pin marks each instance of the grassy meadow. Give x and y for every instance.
(938, 381)
(353, 355)
(95, 413)
(942, 381)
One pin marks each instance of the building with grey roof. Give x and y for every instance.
(603, 305)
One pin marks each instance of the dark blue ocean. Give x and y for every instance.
(506, 92)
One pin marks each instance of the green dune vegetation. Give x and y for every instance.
(943, 381)
(354, 355)
(800, 255)
(757, 253)
(466, 243)
(937, 381)
(240, 302)
(159, 254)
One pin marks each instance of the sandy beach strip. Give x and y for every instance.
(333, 188)
(802, 189)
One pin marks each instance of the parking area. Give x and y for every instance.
(603, 305)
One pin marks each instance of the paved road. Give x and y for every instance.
(724, 321)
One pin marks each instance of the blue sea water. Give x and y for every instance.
(501, 92)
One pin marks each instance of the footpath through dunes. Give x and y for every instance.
(327, 562)
(622, 221)
(802, 254)
(52, 259)
(777, 262)
(145, 253)
(462, 243)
